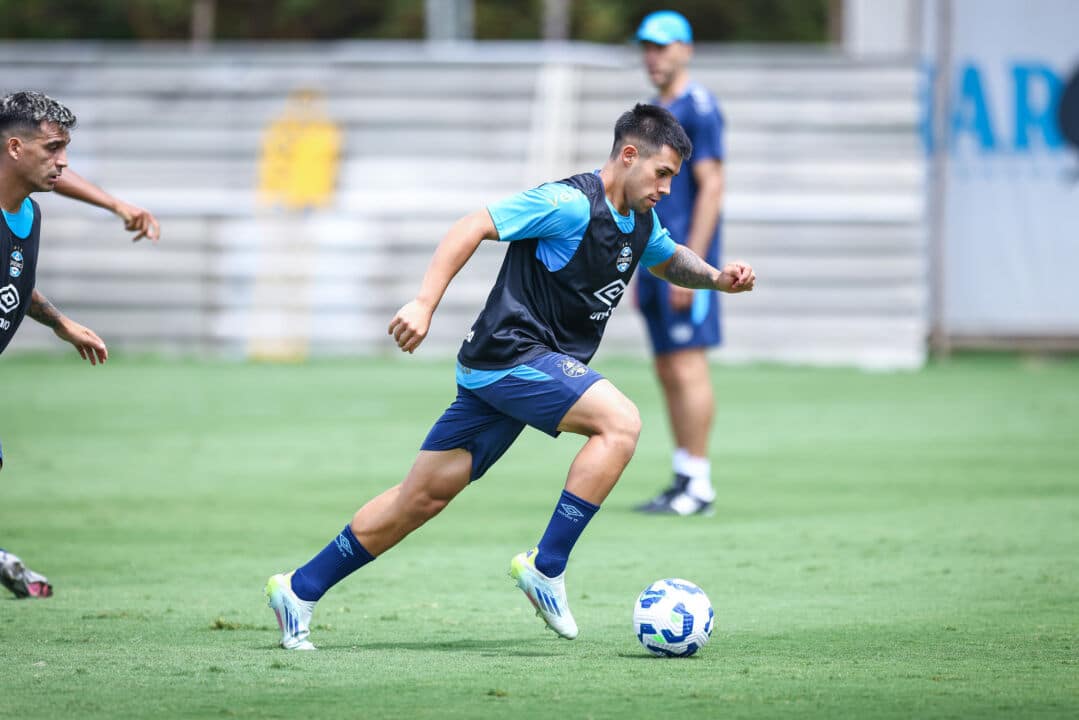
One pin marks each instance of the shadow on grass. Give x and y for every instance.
(647, 656)
(494, 648)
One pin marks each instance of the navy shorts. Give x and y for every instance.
(671, 330)
(486, 420)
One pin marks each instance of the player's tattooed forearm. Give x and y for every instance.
(43, 311)
(688, 270)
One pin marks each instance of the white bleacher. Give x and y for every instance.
(825, 191)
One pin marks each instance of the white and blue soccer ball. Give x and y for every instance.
(673, 618)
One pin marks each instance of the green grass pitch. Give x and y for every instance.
(886, 545)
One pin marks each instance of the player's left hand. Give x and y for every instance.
(410, 325)
(85, 340)
(140, 220)
(736, 277)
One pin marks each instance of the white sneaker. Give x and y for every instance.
(686, 504)
(678, 500)
(293, 614)
(548, 595)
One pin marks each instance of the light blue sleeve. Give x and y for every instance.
(660, 246)
(555, 213)
(549, 212)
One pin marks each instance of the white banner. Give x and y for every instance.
(1011, 202)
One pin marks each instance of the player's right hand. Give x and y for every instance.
(138, 220)
(410, 325)
(737, 277)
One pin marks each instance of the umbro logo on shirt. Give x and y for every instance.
(9, 298)
(610, 292)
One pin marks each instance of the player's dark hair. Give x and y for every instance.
(24, 111)
(650, 127)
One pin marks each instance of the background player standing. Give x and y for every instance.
(573, 247)
(683, 323)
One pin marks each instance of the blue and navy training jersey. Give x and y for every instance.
(569, 260)
(19, 233)
(698, 113)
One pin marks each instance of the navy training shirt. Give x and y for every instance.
(699, 115)
(19, 234)
(569, 261)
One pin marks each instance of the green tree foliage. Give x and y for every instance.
(234, 20)
(745, 21)
(604, 21)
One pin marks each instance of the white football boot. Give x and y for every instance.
(21, 580)
(293, 614)
(548, 595)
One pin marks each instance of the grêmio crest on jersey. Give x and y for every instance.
(17, 262)
(624, 261)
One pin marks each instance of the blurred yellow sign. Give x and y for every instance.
(300, 155)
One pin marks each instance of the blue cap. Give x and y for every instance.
(665, 27)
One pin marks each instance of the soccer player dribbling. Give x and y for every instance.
(572, 248)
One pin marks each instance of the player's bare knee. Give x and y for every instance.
(685, 373)
(427, 506)
(633, 422)
(624, 428)
(683, 370)
(665, 371)
(422, 503)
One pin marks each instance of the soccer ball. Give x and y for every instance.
(673, 618)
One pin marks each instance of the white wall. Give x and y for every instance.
(881, 27)
(826, 187)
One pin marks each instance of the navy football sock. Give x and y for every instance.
(342, 557)
(567, 523)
